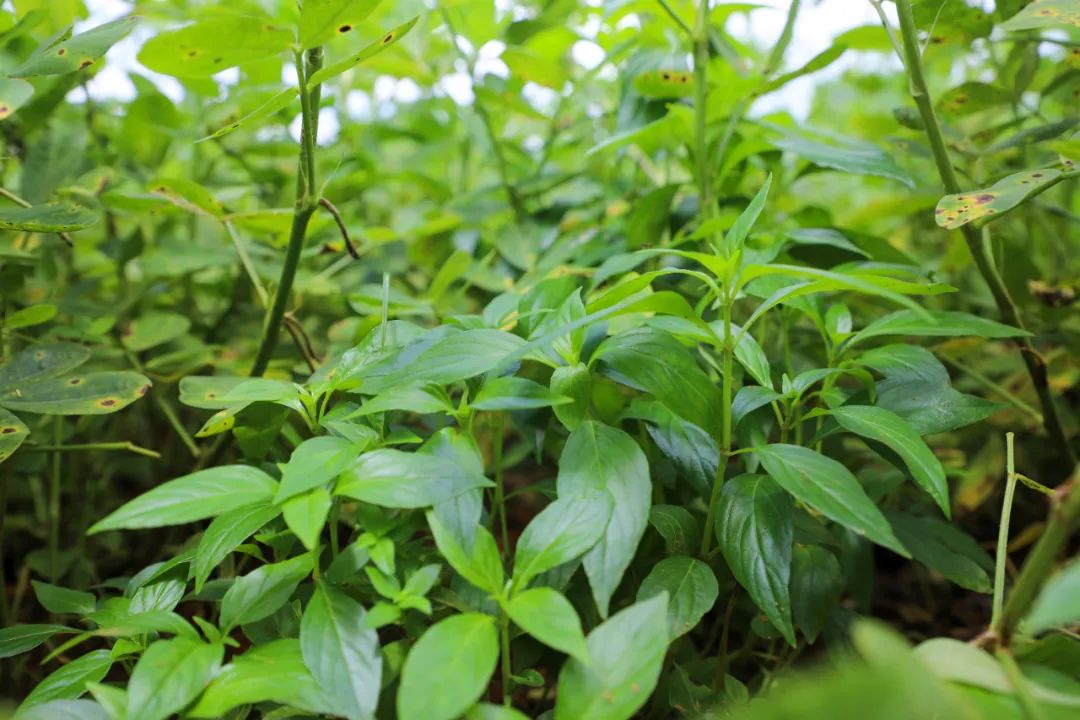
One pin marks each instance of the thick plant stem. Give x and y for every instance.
(1036, 364)
(1003, 530)
(1064, 514)
(307, 201)
(728, 350)
(703, 168)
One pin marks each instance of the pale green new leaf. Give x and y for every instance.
(169, 675)
(549, 617)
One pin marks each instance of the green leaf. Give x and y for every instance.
(41, 362)
(816, 584)
(62, 601)
(448, 668)
(735, 238)
(945, 548)
(487, 711)
(225, 534)
(598, 457)
(209, 46)
(77, 52)
(315, 462)
(341, 651)
(169, 675)
(514, 393)
(972, 97)
(1056, 604)
(273, 672)
(549, 617)
(679, 528)
(262, 591)
(664, 84)
(561, 532)
(627, 652)
(935, 323)
(446, 359)
(30, 316)
(693, 450)
(396, 479)
(306, 515)
(1044, 13)
(69, 682)
(65, 710)
(278, 102)
(153, 329)
(321, 20)
(197, 496)
(18, 639)
(574, 382)
(830, 488)
(754, 529)
(849, 157)
(14, 94)
(478, 561)
(691, 588)
(954, 211)
(880, 425)
(387, 41)
(52, 217)
(12, 434)
(750, 398)
(96, 393)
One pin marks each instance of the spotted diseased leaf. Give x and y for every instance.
(189, 196)
(383, 43)
(1044, 14)
(955, 211)
(664, 84)
(52, 217)
(973, 97)
(76, 52)
(14, 93)
(275, 104)
(41, 362)
(12, 434)
(321, 20)
(97, 393)
(209, 46)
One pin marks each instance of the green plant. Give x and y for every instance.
(608, 396)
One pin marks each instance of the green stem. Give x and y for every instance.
(1003, 531)
(675, 16)
(1036, 364)
(104, 446)
(701, 98)
(4, 613)
(164, 405)
(994, 387)
(776, 57)
(307, 200)
(500, 490)
(725, 429)
(507, 672)
(54, 499)
(1029, 709)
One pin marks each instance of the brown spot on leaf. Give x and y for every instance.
(85, 64)
(75, 381)
(142, 391)
(7, 431)
(388, 38)
(984, 198)
(107, 402)
(344, 29)
(62, 52)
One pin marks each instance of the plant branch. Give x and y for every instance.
(89, 447)
(675, 16)
(1036, 364)
(332, 209)
(1002, 553)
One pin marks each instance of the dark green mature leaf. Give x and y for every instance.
(12, 434)
(944, 548)
(883, 426)
(448, 668)
(315, 462)
(41, 362)
(816, 584)
(693, 450)
(549, 617)
(627, 651)
(386, 41)
(679, 528)
(514, 393)
(448, 358)
(53, 217)
(1056, 604)
(262, 591)
(561, 532)
(392, 478)
(272, 672)
(96, 393)
(197, 496)
(209, 46)
(225, 534)
(830, 488)
(18, 639)
(341, 651)
(170, 675)
(599, 457)
(321, 20)
(755, 532)
(63, 601)
(77, 52)
(69, 681)
(860, 159)
(935, 323)
(691, 588)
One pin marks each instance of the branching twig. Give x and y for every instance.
(330, 208)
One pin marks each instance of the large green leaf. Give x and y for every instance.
(262, 591)
(599, 457)
(200, 495)
(448, 668)
(830, 488)
(549, 617)
(153, 329)
(954, 211)
(69, 681)
(209, 46)
(935, 323)
(321, 20)
(96, 393)
(227, 531)
(1043, 14)
(691, 588)
(341, 651)
(14, 94)
(816, 584)
(12, 434)
(477, 560)
(397, 479)
(169, 675)
(851, 157)
(945, 548)
(693, 450)
(62, 601)
(18, 639)
(755, 532)
(626, 652)
(1056, 604)
(76, 52)
(561, 532)
(314, 463)
(888, 428)
(41, 362)
(386, 41)
(53, 217)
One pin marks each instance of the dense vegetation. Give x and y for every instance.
(600, 393)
